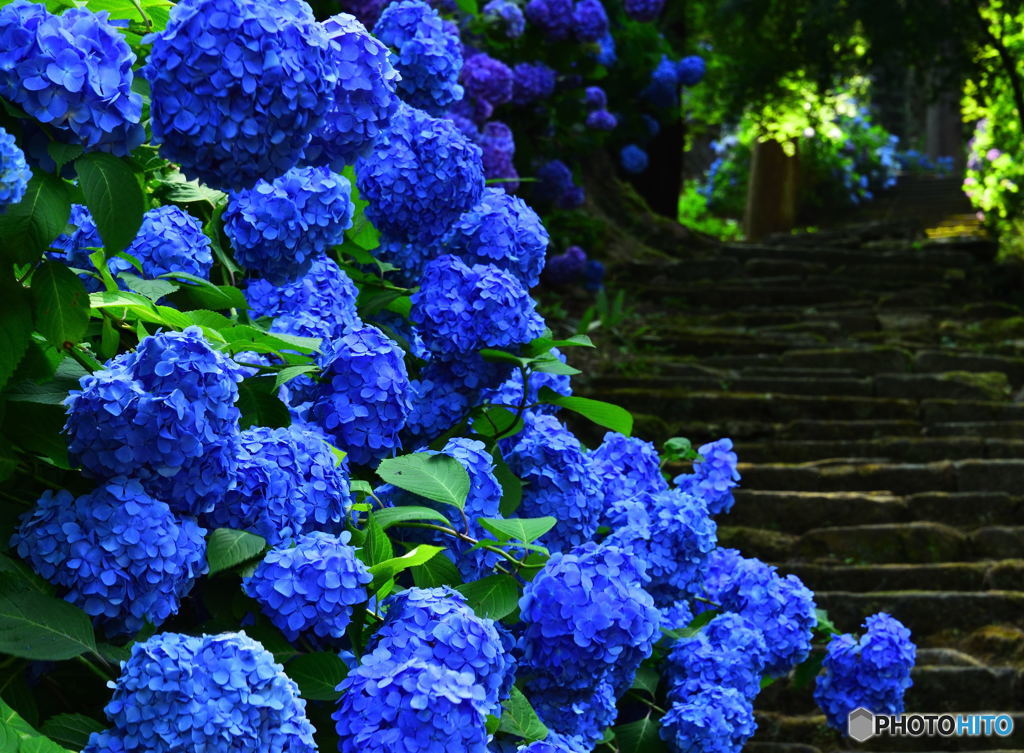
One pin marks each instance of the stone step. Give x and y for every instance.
(866, 360)
(1013, 430)
(841, 386)
(818, 429)
(891, 449)
(900, 478)
(944, 360)
(925, 612)
(833, 257)
(998, 575)
(947, 411)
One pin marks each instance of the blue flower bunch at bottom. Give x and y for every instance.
(213, 692)
(14, 172)
(873, 672)
(310, 588)
(117, 553)
(716, 720)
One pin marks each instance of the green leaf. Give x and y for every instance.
(62, 153)
(393, 516)
(17, 735)
(28, 227)
(495, 421)
(502, 356)
(260, 406)
(154, 290)
(36, 428)
(181, 191)
(521, 529)
(17, 576)
(204, 294)
(511, 485)
(601, 413)
(61, 304)
(141, 307)
(493, 597)
(388, 569)
(518, 718)
(36, 626)
(377, 546)
(640, 736)
(290, 372)
(317, 675)
(677, 449)
(114, 198)
(72, 730)
(468, 6)
(15, 326)
(437, 571)
(226, 548)
(647, 679)
(246, 337)
(807, 670)
(824, 624)
(437, 477)
(554, 366)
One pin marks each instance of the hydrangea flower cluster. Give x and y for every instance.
(873, 672)
(440, 399)
(716, 720)
(508, 15)
(728, 653)
(714, 477)
(606, 54)
(321, 303)
(278, 228)
(72, 72)
(633, 159)
(14, 172)
(171, 240)
(236, 698)
(588, 625)
(499, 150)
(238, 87)
(555, 185)
(163, 414)
(644, 10)
(75, 247)
(553, 17)
(437, 626)
(363, 400)
(311, 587)
(601, 120)
(589, 20)
(487, 79)
(532, 82)
(501, 230)
(460, 309)
(690, 70)
(116, 552)
(422, 174)
(565, 268)
(364, 97)
(286, 482)
(428, 54)
(781, 608)
(627, 469)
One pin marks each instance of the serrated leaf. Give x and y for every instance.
(437, 571)
(493, 597)
(72, 730)
(518, 718)
(141, 307)
(113, 196)
(640, 736)
(388, 569)
(601, 413)
(437, 477)
(154, 290)
(28, 227)
(204, 294)
(226, 548)
(520, 529)
(392, 516)
(36, 626)
(62, 153)
(317, 675)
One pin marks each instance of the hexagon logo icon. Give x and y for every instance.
(860, 724)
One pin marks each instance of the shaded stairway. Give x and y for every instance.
(873, 391)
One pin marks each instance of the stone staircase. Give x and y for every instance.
(873, 389)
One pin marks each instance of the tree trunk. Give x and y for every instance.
(771, 191)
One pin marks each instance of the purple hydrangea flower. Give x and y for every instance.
(555, 185)
(565, 268)
(507, 15)
(553, 17)
(488, 79)
(594, 98)
(601, 120)
(532, 82)
(499, 149)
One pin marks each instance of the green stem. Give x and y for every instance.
(94, 669)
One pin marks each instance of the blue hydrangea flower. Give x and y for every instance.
(214, 692)
(321, 303)
(873, 672)
(565, 268)
(507, 15)
(437, 626)
(278, 228)
(510, 392)
(501, 230)
(594, 98)
(690, 70)
(171, 240)
(633, 159)
(460, 309)
(579, 714)
(393, 705)
(422, 174)
(627, 469)
(367, 11)
(558, 481)
(363, 401)
(439, 400)
(781, 608)
(553, 17)
(72, 72)
(428, 54)
(663, 89)
(717, 720)
(287, 481)
(586, 618)
(601, 120)
(14, 172)
(606, 54)
(237, 88)
(499, 150)
(555, 185)
(364, 95)
(714, 477)
(532, 82)
(589, 20)
(488, 79)
(677, 616)
(672, 533)
(116, 552)
(729, 652)
(644, 10)
(311, 587)
(164, 414)
(75, 247)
